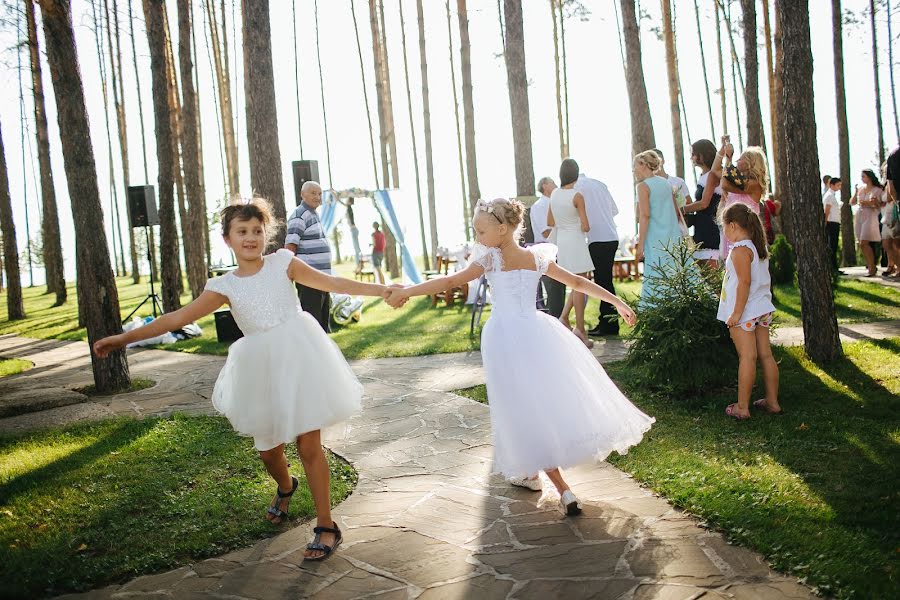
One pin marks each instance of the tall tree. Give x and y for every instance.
(565, 69)
(723, 99)
(878, 119)
(412, 133)
(642, 137)
(195, 244)
(770, 79)
(219, 41)
(751, 81)
(324, 114)
(820, 330)
(712, 125)
(98, 297)
(426, 116)
(262, 117)
(200, 162)
(362, 73)
(891, 68)
(459, 143)
(297, 71)
(154, 17)
(465, 61)
(780, 135)
(848, 251)
(390, 250)
(15, 308)
(674, 86)
(517, 82)
(174, 101)
(557, 75)
(52, 246)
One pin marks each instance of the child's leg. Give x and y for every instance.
(309, 447)
(769, 367)
(556, 477)
(567, 310)
(745, 343)
(277, 466)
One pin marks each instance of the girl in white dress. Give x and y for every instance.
(568, 217)
(285, 379)
(552, 404)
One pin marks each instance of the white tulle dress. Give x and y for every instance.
(285, 376)
(552, 404)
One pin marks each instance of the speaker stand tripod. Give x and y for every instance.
(152, 297)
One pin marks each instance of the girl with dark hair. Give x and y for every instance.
(703, 210)
(746, 307)
(869, 197)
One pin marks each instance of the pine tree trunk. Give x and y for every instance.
(465, 60)
(324, 115)
(674, 86)
(642, 137)
(177, 134)
(50, 237)
(200, 162)
(770, 79)
(563, 151)
(891, 69)
(390, 252)
(712, 125)
(170, 276)
(362, 73)
(723, 99)
(223, 87)
(467, 226)
(820, 330)
(517, 81)
(262, 118)
(751, 76)
(297, 71)
(194, 245)
(98, 297)
(565, 72)
(412, 132)
(878, 120)
(848, 243)
(15, 308)
(429, 155)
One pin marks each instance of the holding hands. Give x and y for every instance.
(395, 295)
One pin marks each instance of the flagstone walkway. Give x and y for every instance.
(427, 520)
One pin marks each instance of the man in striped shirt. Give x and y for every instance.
(306, 239)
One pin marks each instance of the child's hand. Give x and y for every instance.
(105, 346)
(626, 313)
(734, 320)
(396, 296)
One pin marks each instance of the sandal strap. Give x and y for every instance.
(276, 512)
(334, 530)
(290, 493)
(320, 547)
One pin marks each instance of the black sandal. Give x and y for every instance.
(319, 546)
(279, 496)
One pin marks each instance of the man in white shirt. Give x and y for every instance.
(674, 182)
(555, 291)
(833, 217)
(603, 241)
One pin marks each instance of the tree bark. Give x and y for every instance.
(891, 69)
(723, 99)
(362, 73)
(426, 115)
(170, 276)
(379, 92)
(195, 244)
(770, 78)
(820, 330)
(878, 120)
(565, 71)
(98, 298)
(468, 106)
(223, 88)
(175, 122)
(467, 227)
(390, 251)
(848, 243)
(712, 125)
(642, 137)
(262, 117)
(517, 81)
(674, 86)
(780, 135)
(50, 237)
(324, 115)
(563, 151)
(15, 307)
(755, 135)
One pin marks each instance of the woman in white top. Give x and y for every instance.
(869, 197)
(567, 214)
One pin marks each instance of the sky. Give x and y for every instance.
(600, 138)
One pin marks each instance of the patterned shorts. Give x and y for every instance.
(762, 321)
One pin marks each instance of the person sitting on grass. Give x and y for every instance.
(745, 305)
(285, 379)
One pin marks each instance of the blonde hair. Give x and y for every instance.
(244, 209)
(650, 159)
(506, 211)
(756, 161)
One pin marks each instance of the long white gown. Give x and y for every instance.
(552, 404)
(285, 376)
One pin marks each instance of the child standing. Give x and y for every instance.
(378, 245)
(746, 307)
(552, 410)
(285, 379)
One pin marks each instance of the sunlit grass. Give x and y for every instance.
(13, 366)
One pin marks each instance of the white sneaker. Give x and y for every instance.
(570, 504)
(532, 484)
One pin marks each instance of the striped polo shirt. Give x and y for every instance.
(305, 230)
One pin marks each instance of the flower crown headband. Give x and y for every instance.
(488, 208)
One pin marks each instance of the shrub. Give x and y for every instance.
(678, 345)
(782, 265)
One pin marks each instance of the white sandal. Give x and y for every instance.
(570, 504)
(533, 484)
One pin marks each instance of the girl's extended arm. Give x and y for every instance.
(440, 284)
(586, 286)
(742, 258)
(205, 303)
(302, 273)
(712, 183)
(643, 218)
(582, 213)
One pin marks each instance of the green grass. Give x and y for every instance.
(93, 504)
(137, 384)
(855, 302)
(13, 366)
(814, 490)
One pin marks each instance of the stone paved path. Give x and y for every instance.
(861, 273)
(427, 520)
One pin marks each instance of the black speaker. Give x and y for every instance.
(226, 329)
(304, 170)
(142, 205)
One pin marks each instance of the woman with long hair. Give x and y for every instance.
(701, 213)
(869, 197)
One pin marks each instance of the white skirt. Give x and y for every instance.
(288, 380)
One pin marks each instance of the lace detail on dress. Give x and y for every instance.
(544, 254)
(489, 258)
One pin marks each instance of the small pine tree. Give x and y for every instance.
(782, 266)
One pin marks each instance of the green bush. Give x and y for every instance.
(679, 347)
(782, 265)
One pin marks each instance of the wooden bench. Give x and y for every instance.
(625, 268)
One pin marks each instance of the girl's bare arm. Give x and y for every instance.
(300, 272)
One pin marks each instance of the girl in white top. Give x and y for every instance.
(746, 307)
(285, 379)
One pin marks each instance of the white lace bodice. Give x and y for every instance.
(513, 292)
(261, 301)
